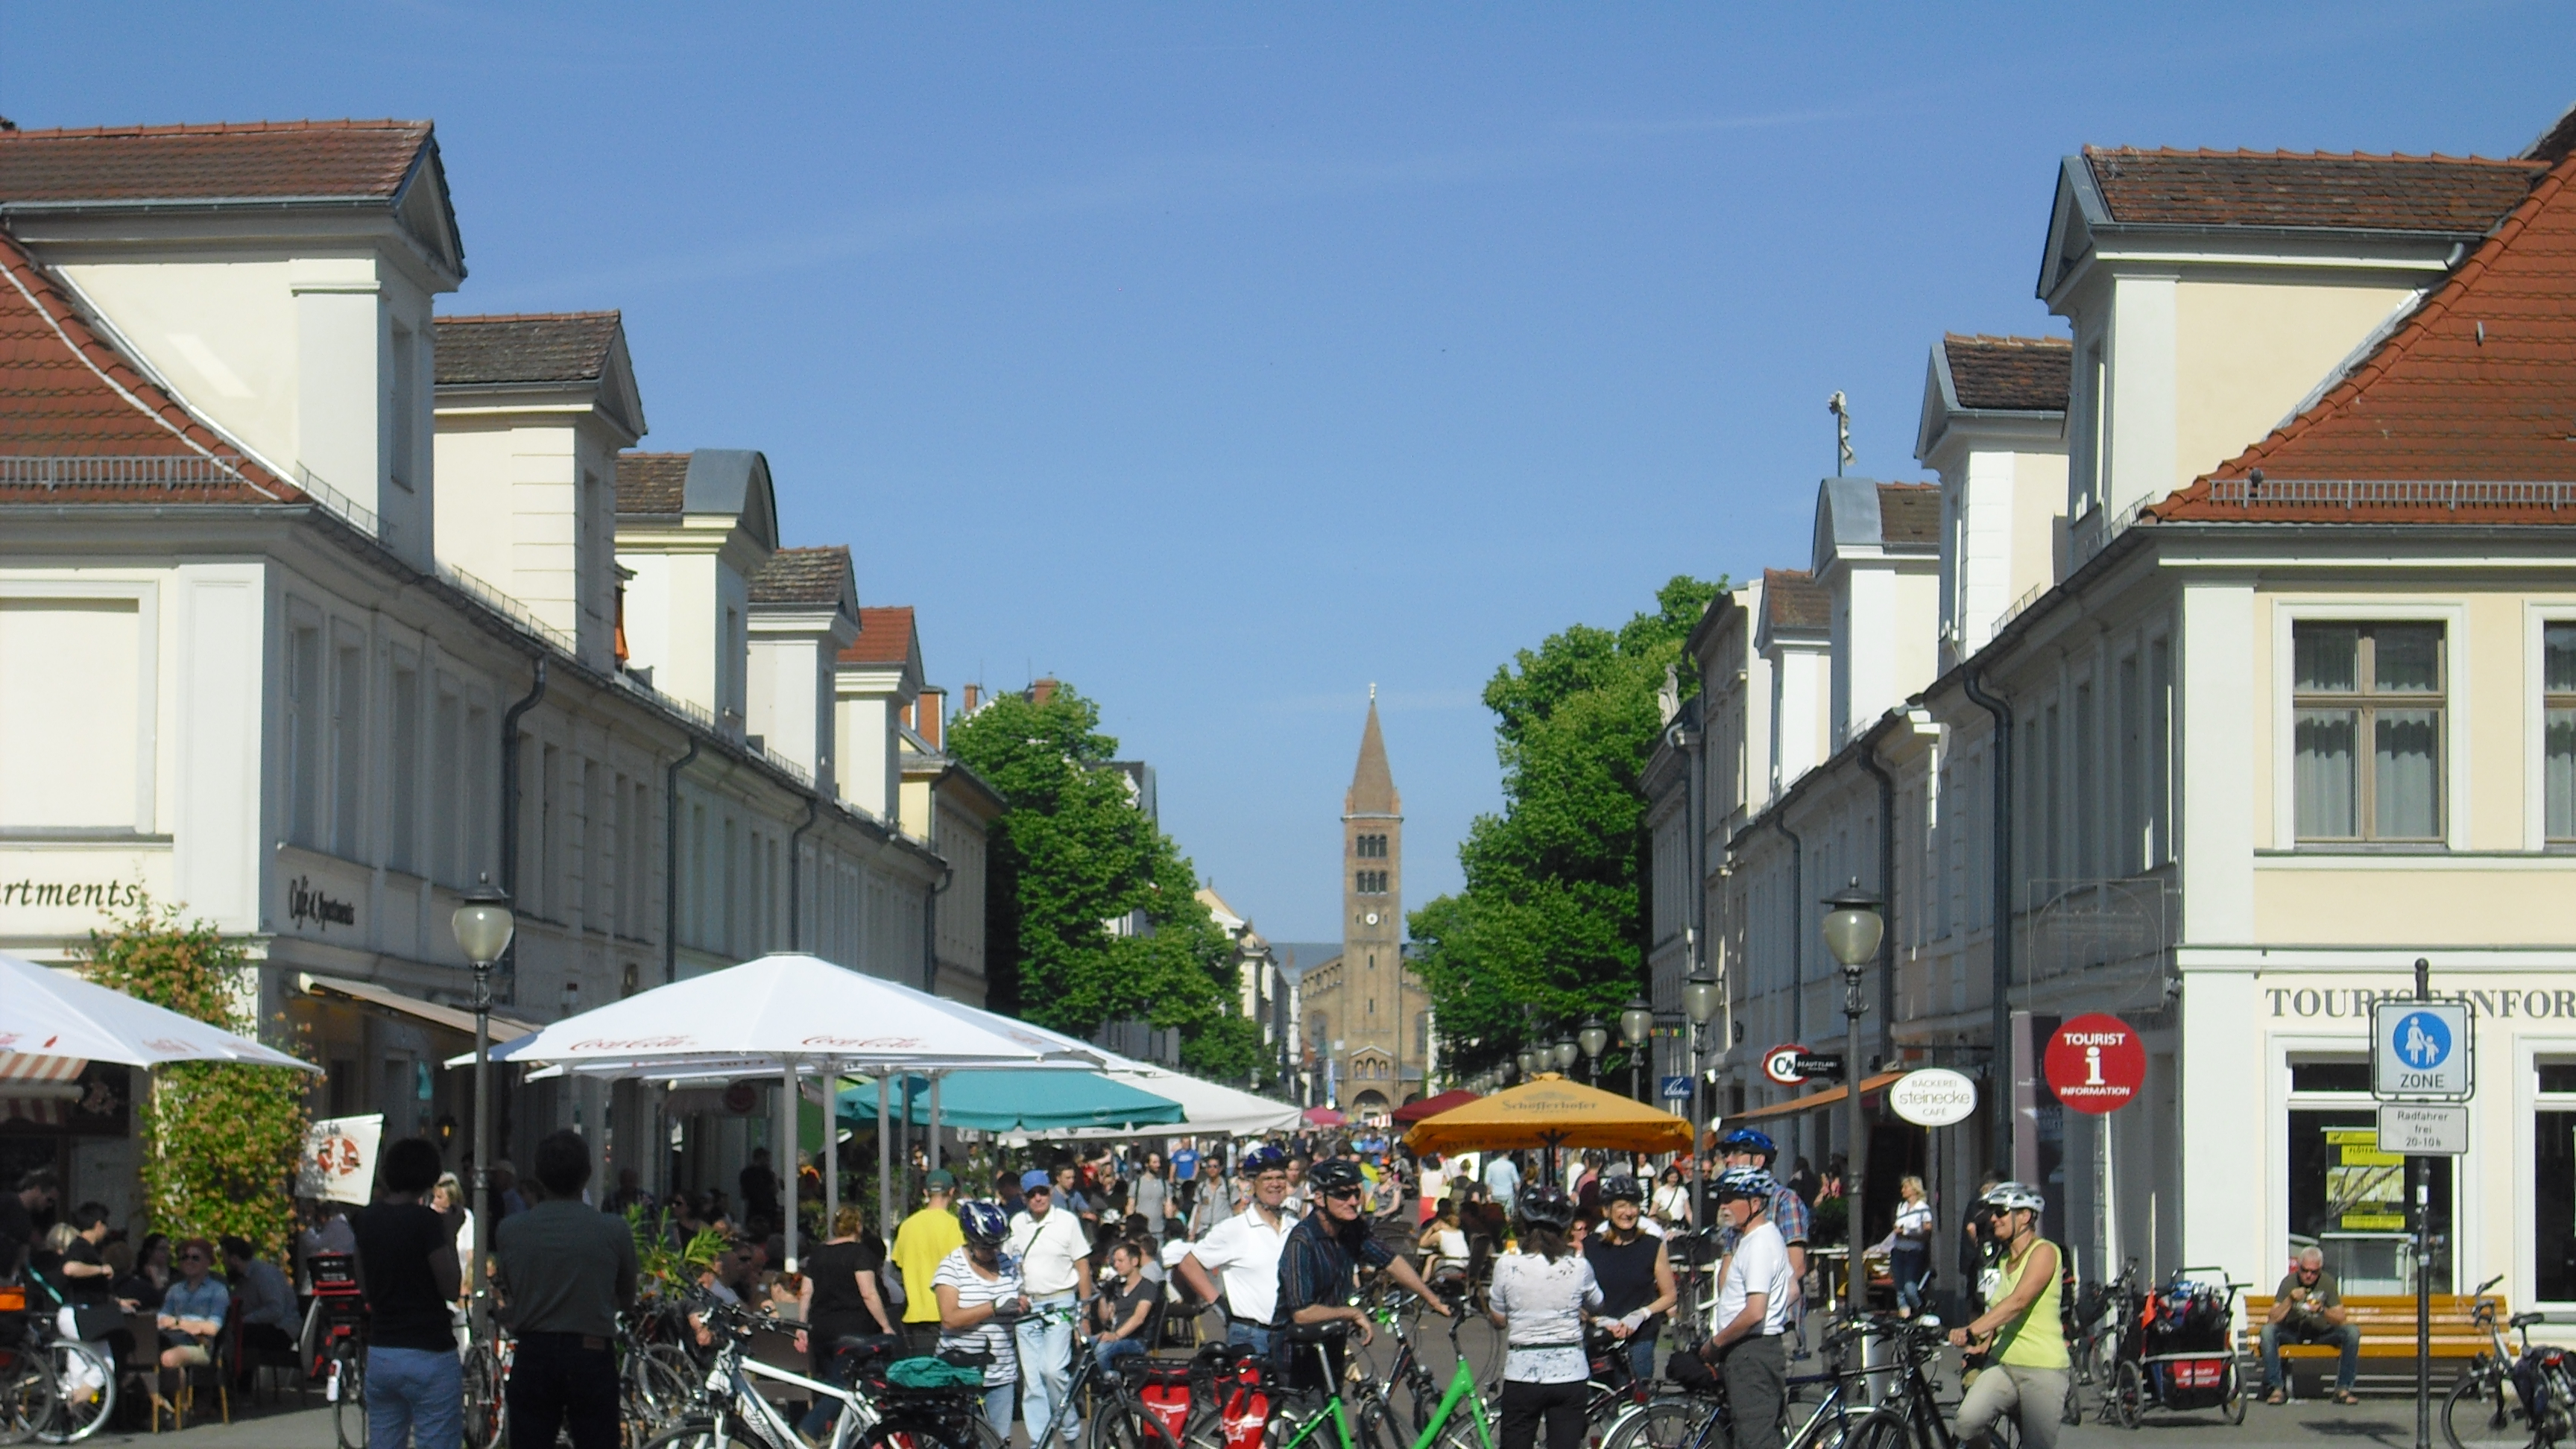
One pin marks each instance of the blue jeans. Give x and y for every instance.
(1248, 1335)
(997, 1408)
(2346, 1337)
(1906, 1265)
(1641, 1353)
(1046, 1369)
(415, 1396)
(1108, 1351)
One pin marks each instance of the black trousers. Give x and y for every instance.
(1559, 1406)
(564, 1381)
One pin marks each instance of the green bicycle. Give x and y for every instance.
(1372, 1426)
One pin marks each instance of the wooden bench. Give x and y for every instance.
(2387, 1324)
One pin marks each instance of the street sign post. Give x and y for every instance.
(1675, 1089)
(2095, 1063)
(2422, 1051)
(2424, 1129)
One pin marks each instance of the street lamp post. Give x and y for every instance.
(1593, 1037)
(1854, 926)
(484, 925)
(1636, 1028)
(1699, 1002)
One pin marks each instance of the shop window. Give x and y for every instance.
(2349, 1199)
(2553, 1184)
(2329, 1076)
(2558, 699)
(2368, 728)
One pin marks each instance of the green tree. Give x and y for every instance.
(221, 1141)
(1071, 854)
(1551, 925)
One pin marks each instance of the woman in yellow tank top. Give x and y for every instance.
(2026, 1366)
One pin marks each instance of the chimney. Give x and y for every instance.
(1042, 691)
(932, 710)
(974, 698)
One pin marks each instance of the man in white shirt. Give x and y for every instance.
(1503, 1180)
(1753, 1303)
(1055, 1271)
(1244, 1251)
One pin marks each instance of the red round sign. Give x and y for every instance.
(2095, 1063)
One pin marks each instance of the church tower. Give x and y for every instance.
(1376, 1013)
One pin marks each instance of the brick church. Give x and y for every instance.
(1367, 1019)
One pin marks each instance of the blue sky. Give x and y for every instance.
(1226, 359)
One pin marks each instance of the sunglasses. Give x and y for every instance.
(1343, 1194)
(194, 1258)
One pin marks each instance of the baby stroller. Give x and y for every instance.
(2177, 1351)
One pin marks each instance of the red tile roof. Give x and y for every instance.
(528, 347)
(1791, 599)
(2009, 374)
(65, 394)
(2450, 195)
(885, 637)
(652, 482)
(268, 160)
(2466, 413)
(1909, 513)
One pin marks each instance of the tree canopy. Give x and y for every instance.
(1551, 925)
(1073, 854)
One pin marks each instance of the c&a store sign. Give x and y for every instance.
(2495, 1001)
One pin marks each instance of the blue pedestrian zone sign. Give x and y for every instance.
(2421, 1050)
(1676, 1089)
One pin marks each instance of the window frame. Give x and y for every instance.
(2455, 703)
(2538, 616)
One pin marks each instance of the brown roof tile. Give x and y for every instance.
(66, 394)
(885, 637)
(2009, 374)
(258, 159)
(532, 347)
(1791, 599)
(654, 483)
(1909, 514)
(802, 576)
(2472, 400)
(2356, 191)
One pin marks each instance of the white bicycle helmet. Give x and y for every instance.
(2005, 1197)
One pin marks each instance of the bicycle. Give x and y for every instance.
(728, 1409)
(343, 1370)
(2487, 1408)
(1292, 1428)
(1689, 1420)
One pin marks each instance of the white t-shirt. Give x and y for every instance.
(1760, 1264)
(1048, 1248)
(1543, 1303)
(1243, 1251)
(1914, 1222)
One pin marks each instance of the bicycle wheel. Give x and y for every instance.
(1881, 1428)
(27, 1396)
(923, 1434)
(687, 1434)
(2128, 1394)
(485, 1420)
(651, 1395)
(2481, 1413)
(1668, 1423)
(84, 1392)
(349, 1410)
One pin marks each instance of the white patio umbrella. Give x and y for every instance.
(783, 1015)
(55, 1014)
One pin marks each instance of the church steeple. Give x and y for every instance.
(1372, 789)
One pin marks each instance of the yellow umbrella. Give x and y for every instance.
(1549, 1111)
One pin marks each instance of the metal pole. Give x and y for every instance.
(1855, 1281)
(2419, 1180)
(831, 1148)
(934, 1119)
(478, 1309)
(885, 1165)
(1699, 1160)
(782, 1163)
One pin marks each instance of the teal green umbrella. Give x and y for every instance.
(1013, 1101)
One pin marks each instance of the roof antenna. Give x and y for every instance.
(1840, 407)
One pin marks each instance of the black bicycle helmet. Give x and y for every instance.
(1547, 1207)
(1622, 1188)
(1335, 1174)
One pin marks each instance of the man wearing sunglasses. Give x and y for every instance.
(2308, 1308)
(1319, 1264)
(1244, 1250)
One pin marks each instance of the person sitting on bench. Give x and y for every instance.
(2308, 1308)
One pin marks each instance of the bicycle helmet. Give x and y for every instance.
(1335, 1174)
(1746, 1182)
(2005, 1197)
(1621, 1189)
(1264, 1158)
(1547, 1207)
(984, 1223)
(1746, 1139)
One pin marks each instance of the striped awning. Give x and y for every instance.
(38, 1089)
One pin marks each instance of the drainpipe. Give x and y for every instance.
(1887, 912)
(930, 929)
(508, 966)
(796, 875)
(1999, 760)
(1797, 935)
(671, 863)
